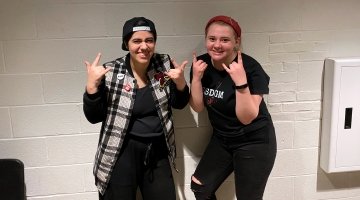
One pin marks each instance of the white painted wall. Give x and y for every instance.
(42, 77)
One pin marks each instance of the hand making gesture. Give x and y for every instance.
(199, 67)
(236, 71)
(95, 73)
(177, 74)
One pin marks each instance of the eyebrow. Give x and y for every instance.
(140, 38)
(211, 36)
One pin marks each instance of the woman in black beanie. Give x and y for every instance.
(133, 96)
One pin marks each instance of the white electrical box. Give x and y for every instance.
(340, 135)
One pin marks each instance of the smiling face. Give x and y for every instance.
(141, 47)
(221, 42)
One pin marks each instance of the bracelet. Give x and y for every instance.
(239, 87)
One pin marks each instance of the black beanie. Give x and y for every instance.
(136, 24)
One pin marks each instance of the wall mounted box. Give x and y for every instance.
(340, 135)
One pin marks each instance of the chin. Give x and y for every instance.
(147, 57)
(217, 57)
(143, 61)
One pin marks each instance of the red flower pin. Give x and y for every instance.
(162, 78)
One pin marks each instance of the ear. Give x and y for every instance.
(237, 43)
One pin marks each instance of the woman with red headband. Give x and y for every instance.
(231, 85)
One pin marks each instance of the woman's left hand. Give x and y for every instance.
(177, 74)
(236, 71)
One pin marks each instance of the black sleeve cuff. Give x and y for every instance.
(93, 96)
(181, 98)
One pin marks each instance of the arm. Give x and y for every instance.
(94, 98)
(247, 105)
(179, 89)
(196, 94)
(196, 97)
(94, 105)
(179, 99)
(176, 74)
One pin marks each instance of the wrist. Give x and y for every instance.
(180, 85)
(196, 80)
(91, 89)
(242, 86)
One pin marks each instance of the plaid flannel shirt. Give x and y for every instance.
(113, 107)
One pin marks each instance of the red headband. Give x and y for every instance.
(227, 20)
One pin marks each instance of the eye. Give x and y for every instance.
(150, 40)
(225, 40)
(211, 39)
(136, 41)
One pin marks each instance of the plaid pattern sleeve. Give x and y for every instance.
(113, 131)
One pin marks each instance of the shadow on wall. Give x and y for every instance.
(330, 182)
(193, 132)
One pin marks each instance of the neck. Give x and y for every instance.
(139, 71)
(217, 65)
(139, 67)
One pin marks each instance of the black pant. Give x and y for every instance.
(143, 163)
(250, 157)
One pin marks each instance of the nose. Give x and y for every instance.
(217, 44)
(143, 46)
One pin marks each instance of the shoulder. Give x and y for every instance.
(116, 66)
(161, 61)
(255, 73)
(161, 57)
(249, 60)
(117, 62)
(250, 64)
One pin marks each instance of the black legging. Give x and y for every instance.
(154, 179)
(250, 157)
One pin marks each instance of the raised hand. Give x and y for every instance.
(178, 71)
(177, 74)
(95, 73)
(236, 71)
(198, 68)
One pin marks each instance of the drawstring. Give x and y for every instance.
(154, 150)
(147, 154)
(149, 161)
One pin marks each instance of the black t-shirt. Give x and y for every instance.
(219, 97)
(145, 121)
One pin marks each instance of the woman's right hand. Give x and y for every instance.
(95, 73)
(196, 91)
(198, 68)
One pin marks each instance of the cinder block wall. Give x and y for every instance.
(43, 45)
